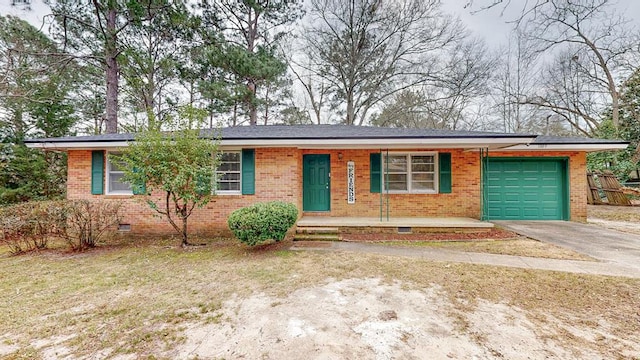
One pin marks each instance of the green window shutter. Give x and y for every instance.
(375, 172)
(139, 188)
(248, 171)
(445, 173)
(97, 172)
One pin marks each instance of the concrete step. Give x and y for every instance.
(316, 230)
(316, 237)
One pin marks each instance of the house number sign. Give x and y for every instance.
(351, 182)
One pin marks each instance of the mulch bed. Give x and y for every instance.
(493, 234)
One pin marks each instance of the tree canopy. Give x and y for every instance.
(36, 100)
(174, 170)
(112, 65)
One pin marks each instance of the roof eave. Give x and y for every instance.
(358, 143)
(76, 145)
(588, 147)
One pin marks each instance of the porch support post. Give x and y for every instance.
(386, 174)
(381, 190)
(484, 160)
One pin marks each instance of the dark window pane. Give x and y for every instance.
(398, 186)
(422, 177)
(117, 165)
(396, 164)
(422, 163)
(225, 167)
(230, 157)
(116, 183)
(422, 159)
(396, 178)
(228, 186)
(230, 177)
(422, 185)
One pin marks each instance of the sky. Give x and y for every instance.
(33, 12)
(493, 26)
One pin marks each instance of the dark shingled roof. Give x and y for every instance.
(559, 140)
(347, 132)
(281, 132)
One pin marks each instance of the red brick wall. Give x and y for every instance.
(279, 177)
(277, 171)
(464, 199)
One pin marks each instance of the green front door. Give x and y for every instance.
(526, 189)
(316, 192)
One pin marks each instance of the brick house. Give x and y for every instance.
(350, 171)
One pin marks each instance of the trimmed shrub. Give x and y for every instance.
(81, 223)
(260, 222)
(30, 226)
(88, 221)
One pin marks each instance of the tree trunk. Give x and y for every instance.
(235, 114)
(252, 36)
(251, 104)
(350, 120)
(185, 241)
(266, 107)
(211, 114)
(111, 53)
(615, 107)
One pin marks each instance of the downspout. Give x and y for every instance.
(484, 162)
(386, 174)
(381, 189)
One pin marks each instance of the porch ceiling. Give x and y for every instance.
(421, 222)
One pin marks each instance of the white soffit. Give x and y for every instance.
(397, 143)
(62, 146)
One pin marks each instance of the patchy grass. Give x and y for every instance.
(519, 247)
(621, 218)
(492, 234)
(614, 213)
(137, 296)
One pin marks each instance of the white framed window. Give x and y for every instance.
(115, 172)
(410, 172)
(229, 173)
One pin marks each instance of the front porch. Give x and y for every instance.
(332, 228)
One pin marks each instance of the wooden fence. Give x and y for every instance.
(604, 188)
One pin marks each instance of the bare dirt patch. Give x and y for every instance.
(614, 213)
(621, 218)
(157, 300)
(350, 319)
(520, 246)
(624, 226)
(446, 236)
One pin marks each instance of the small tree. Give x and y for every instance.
(180, 164)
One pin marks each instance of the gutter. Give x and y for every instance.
(589, 147)
(359, 143)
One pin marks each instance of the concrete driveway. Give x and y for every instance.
(603, 244)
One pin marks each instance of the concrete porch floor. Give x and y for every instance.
(417, 222)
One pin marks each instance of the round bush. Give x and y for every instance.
(263, 221)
